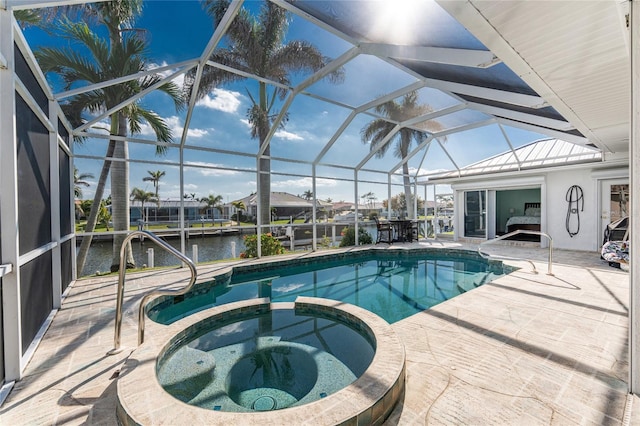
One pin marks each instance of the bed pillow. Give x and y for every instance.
(532, 211)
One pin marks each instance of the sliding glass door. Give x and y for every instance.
(475, 214)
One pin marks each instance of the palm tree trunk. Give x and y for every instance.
(408, 198)
(264, 182)
(95, 209)
(120, 196)
(264, 179)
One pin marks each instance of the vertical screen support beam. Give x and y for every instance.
(634, 181)
(54, 176)
(314, 214)
(355, 195)
(11, 316)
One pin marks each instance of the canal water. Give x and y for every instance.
(209, 248)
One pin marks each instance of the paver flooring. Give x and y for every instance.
(526, 349)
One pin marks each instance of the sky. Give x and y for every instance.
(179, 30)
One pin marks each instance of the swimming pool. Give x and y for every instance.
(393, 284)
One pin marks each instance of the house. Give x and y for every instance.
(283, 206)
(168, 210)
(571, 191)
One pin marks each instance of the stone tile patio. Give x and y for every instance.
(526, 349)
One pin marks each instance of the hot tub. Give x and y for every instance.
(316, 361)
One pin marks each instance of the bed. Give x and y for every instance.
(529, 222)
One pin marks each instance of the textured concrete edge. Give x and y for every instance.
(368, 400)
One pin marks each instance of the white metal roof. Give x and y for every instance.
(543, 153)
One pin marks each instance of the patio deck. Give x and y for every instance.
(525, 349)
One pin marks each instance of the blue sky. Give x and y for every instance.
(179, 30)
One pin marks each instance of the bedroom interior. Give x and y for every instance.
(518, 209)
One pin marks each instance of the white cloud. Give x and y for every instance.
(222, 100)
(304, 183)
(205, 169)
(245, 122)
(283, 134)
(178, 80)
(424, 172)
(102, 127)
(176, 127)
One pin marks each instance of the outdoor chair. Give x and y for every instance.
(385, 231)
(412, 231)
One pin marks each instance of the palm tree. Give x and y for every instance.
(240, 207)
(143, 196)
(104, 217)
(256, 45)
(212, 201)
(79, 181)
(376, 131)
(155, 178)
(307, 195)
(120, 55)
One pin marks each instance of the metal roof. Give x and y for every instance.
(543, 153)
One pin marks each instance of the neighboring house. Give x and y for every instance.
(168, 210)
(374, 207)
(579, 191)
(283, 206)
(341, 207)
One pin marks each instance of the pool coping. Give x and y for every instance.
(368, 400)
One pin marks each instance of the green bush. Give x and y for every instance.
(349, 237)
(270, 246)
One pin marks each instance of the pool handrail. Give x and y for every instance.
(516, 232)
(121, 275)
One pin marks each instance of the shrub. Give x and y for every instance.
(270, 245)
(349, 237)
(325, 242)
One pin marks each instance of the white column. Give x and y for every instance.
(183, 243)
(74, 263)
(634, 182)
(9, 206)
(258, 210)
(54, 176)
(314, 245)
(389, 196)
(355, 194)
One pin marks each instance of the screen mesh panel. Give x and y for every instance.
(36, 296)
(34, 205)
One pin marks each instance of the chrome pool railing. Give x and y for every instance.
(516, 232)
(121, 275)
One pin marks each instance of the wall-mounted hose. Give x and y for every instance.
(574, 198)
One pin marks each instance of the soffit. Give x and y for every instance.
(573, 54)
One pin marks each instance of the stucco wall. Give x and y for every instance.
(555, 206)
(553, 195)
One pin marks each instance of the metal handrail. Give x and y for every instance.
(5, 269)
(121, 274)
(516, 232)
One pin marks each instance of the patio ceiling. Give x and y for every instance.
(559, 69)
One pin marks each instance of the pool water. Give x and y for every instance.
(393, 286)
(267, 362)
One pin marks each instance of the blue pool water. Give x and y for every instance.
(392, 285)
(268, 361)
